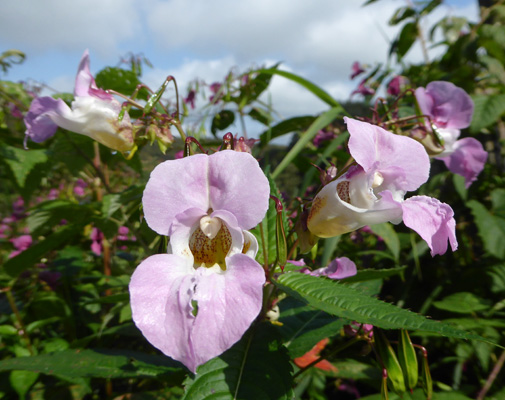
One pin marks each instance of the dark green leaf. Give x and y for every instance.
(257, 367)
(401, 14)
(28, 258)
(121, 80)
(97, 364)
(21, 162)
(491, 229)
(221, 121)
(303, 327)
(407, 38)
(388, 234)
(343, 301)
(295, 124)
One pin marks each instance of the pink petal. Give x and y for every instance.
(39, 120)
(85, 82)
(339, 268)
(238, 185)
(175, 186)
(163, 290)
(402, 161)
(433, 221)
(467, 159)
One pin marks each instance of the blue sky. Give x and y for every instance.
(189, 39)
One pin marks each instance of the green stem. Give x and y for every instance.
(19, 320)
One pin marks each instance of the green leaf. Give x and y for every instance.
(303, 327)
(491, 229)
(121, 80)
(221, 121)
(321, 122)
(462, 302)
(289, 125)
(50, 213)
(14, 266)
(401, 14)
(488, 109)
(21, 162)
(257, 367)
(314, 89)
(97, 364)
(266, 232)
(352, 369)
(22, 381)
(407, 38)
(388, 234)
(343, 301)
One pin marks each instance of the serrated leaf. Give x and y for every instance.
(97, 364)
(491, 229)
(487, 110)
(303, 327)
(257, 367)
(21, 161)
(338, 299)
(462, 302)
(222, 120)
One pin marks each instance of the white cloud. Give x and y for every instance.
(38, 26)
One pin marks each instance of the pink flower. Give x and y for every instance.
(191, 98)
(356, 69)
(96, 236)
(94, 113)
(323, 136)
(450, 109)
(79, 187)
(396, 85)
(363, 90)
(20, 243)
(339, 268)
(372, 192)
(198, 300)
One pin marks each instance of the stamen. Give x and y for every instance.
(377, 180)
(210, 226)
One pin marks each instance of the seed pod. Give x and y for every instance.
(408, 360)
(389, 360)
(426, 376)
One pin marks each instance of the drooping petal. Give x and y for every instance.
(466, 159)
(402, 161)
(238, 185)
(39, 121)
(195, 315)
(449, 106)
(228, 303)
(175, 186)
(161, 287)
(433, 221)
(339, 268)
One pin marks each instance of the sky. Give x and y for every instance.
(317, 39)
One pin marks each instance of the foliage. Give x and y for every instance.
(72, 233)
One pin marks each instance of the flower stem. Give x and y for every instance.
(492, 376)
(19, 320)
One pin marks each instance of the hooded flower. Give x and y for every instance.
(198, 300)
(372, 192)
(450, 109)
(94, 113)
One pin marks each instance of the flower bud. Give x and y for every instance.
(408, 359)
(390, 362)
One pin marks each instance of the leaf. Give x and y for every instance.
(462, 302)
(14, 266)
(345, 302)
(222, 120)
(118, 79)
(491, 229)
(21, 162)
(487, 110)
(97, 364)
(303, 327)
(314, 89)
(22, 381)
(287, 126)
(352, 369)
(257, 367)
(266, 232)
(321, 122)
(406, 39)
(388, 234)
(401, 14)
